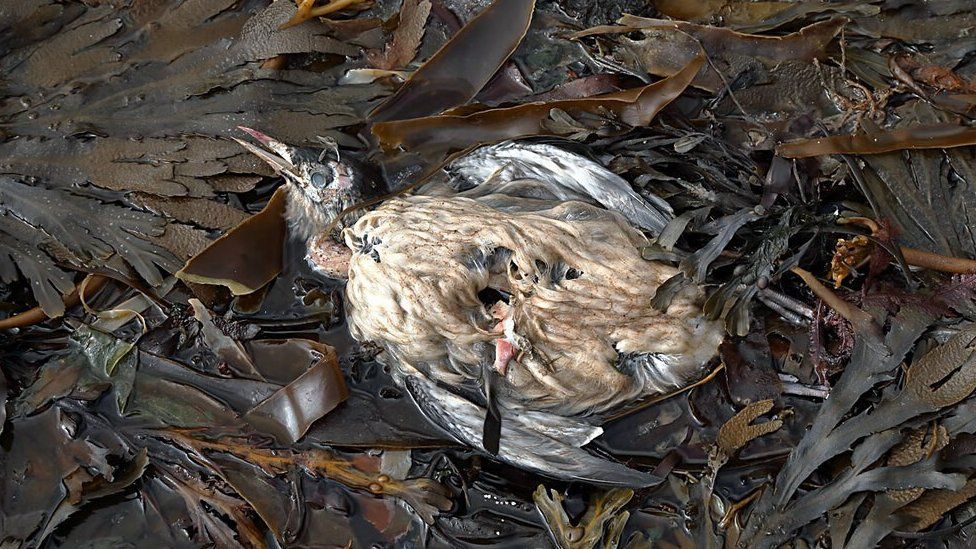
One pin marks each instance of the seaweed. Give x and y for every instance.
(401, 50)
(601, 525)
(758, 16)
(438, 136)
(914, 192)
(95, 122)
(250, 417)
(291, 410)
(75, 231)
(913, 138)
(449, 79)
(247, 257)
(668, 45)
(937, 379)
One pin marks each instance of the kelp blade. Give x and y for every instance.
(440, 135)
(450, 78)
(248, 256)
(937, 136)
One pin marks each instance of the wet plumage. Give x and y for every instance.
(565, 175)
(506, 277)
(579, 294)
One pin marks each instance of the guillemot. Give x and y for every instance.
(508, 293)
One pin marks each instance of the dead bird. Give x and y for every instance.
(320, 186)
(510, 297)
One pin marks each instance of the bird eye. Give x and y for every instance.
(319, 179)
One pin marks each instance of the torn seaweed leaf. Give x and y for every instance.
(230, 351)
(248, 256)
(667, 45)
(439, 135)
(95, 362)
(290, 412)
(448, 79)
(940, 136)
(939, 378)
(91, 231)
(82, 491)
(276, 499)
(402, 48)
(602, 521)
(28, 500)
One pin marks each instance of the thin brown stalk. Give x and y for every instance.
(852, 314)
(37, 315)
(919, 258)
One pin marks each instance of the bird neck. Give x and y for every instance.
(306, 219)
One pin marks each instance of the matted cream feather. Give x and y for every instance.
(420, 263)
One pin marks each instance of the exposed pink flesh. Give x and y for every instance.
(329, 256)
(504, 352)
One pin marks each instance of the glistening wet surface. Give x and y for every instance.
(812, 165)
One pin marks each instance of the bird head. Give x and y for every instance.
(311, 172)
(320, 185)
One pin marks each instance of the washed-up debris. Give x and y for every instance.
(437, 136)
(303, 401)
(755, 16)
(449, 79)
(801, 172)
(247, 257)
(926, 137)
(601, 526)
(668, 45)
(734, 434)
(399, 52)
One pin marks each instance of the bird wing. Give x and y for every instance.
(537, 441)
(567, 175)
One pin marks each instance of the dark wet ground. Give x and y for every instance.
(121, 430)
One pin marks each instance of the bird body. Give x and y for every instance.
(506, 289)
(579, 299)
(582, 335)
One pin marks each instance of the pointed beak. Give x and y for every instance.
(279, 156)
